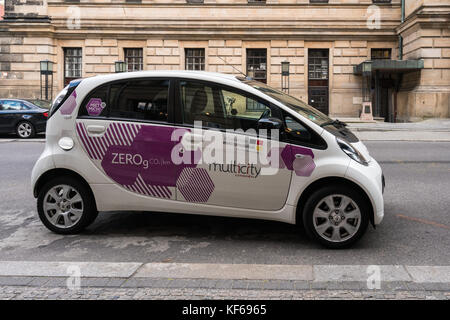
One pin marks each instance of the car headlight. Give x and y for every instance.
(352, 152)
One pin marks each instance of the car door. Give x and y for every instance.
(3, 121)
(126, 130)
(236, 168)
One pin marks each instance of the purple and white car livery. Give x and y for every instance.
(203, 143)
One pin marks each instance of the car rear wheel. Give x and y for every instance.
(66, 206)
(25, 130)
(336, 216)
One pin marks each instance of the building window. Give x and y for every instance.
(381, 1)
(72, 64)
(379, 54)
(133, 58)
(195, 59)
(257, 64)
(256, 1)
(318, 1)
(194, 1)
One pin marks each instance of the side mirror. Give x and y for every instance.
(270, 123)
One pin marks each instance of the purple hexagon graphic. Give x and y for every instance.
(138, 157)
(95, 106)
(304, 167)
(70, 104)
(195, 184)
(301, 166)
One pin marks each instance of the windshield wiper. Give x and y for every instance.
(334, 122)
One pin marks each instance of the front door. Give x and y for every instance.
(318, 79)
(235, 170)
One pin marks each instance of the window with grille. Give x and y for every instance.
(257, 64)
(134, 59)
(72, 64)
(195, 59)
(377, 54)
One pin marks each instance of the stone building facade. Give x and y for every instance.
(322, 40)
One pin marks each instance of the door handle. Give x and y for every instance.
(299, 156)
(96, 129)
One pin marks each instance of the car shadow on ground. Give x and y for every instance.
(152, 224)
(14, 136)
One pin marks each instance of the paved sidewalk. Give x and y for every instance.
(428, 130)
(19, 293)
(90, 280)
(431, 125)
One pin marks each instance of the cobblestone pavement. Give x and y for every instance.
(16, 292)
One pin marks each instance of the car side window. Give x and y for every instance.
(96, 103)
(11, 105)
(140, 100)
(219, 107)
(297, 133)
(201, 103)
(243, 112)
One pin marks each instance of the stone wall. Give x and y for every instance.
(225, 29)
(426, 93)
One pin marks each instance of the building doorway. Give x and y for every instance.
(318, 65)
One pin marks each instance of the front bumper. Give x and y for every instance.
(371, 179)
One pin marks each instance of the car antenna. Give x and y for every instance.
(247, 77)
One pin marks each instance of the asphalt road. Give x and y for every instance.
(415, 231)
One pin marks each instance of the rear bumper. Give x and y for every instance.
(40, 126)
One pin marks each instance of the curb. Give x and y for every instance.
(225, 276)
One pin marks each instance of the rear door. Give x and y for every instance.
(126, 130)
(10, 115)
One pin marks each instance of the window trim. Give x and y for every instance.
(186, 57)
(65, 64)
(170, 102)
(247, 50)
(141, 64)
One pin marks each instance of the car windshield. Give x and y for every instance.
(293, 103)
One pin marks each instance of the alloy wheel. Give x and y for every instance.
(336, 218)
(63, 206)
(24, 130)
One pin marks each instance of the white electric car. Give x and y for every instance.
(202, 143)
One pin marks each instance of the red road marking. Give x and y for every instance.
(432, 223)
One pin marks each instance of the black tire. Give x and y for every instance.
(32, 133)
(89, 213)
(320, 194)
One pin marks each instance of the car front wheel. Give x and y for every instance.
(66, 206)
(336, 216)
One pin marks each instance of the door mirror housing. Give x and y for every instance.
(270, 123)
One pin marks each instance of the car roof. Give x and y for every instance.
(200, 75)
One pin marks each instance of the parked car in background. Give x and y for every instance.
(43, 104)
(22, 117)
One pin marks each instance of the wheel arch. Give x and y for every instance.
(326, 181)
(58, 172)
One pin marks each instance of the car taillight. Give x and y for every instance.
(45, 114)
